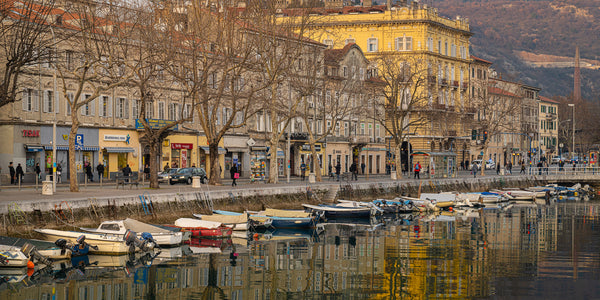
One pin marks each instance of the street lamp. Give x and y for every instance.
(54, 95)
(573, 106)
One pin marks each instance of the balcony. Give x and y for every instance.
(464, 86)
(444, 82)
(360, 139)
(455, 84)
(432, 79)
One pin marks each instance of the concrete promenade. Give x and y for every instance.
(28, 198)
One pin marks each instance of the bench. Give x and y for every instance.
(127, 180)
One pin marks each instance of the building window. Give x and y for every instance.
(372, 45)
(440, 46)
(70, 97)
(122, 108)
(350, 41)
(135, 108)
(161, 110)
(404, 43)
(174, 112)
(345, 71)
(30, 100)
(329, 43)
(104, 106)
(88, 108)
(362, 128)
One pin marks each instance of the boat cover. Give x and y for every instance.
(286, 213)
(188, 222)
(139, 227)
(225, 219)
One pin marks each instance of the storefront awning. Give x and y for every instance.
(66, 148)
(34, 148)
(119, 149)
(237, 149)
(207, 150)
(433, 153)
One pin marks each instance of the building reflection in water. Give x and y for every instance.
(521, 250)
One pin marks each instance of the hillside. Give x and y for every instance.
(534, 41)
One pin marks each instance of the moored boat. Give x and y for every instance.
(99, 243)
(162, 236)
(237, 222)
(201, 228)
(333, 211)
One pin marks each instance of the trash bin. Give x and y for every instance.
(196, 181)
(394, 175)
(47, 187)
(312, 178)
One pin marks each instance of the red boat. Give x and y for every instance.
(200, 242)
(200, 228)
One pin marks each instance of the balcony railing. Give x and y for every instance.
(464, 86)
(444, 82)
(455, 84)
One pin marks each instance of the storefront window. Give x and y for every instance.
(122, 160)
(88, 158)
(30, 161)
(48, 160)
(258, 163)
(175, 153)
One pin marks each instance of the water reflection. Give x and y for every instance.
(519, 251)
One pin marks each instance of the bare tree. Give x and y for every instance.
(279, 44)
(497, 112)
(406, 100)
(213, 66)
(90, 64)
(25, 37)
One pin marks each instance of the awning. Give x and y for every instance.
(34, 148)
(259, 148)
(207, 150)
(66, 148)
(434, 153)
(119, 149)
(237, 149)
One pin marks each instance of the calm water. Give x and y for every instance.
(521, 252)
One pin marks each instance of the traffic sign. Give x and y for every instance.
(79, 142)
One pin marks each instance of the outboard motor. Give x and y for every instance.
(81, 247)
(30, 250)
(146, 243)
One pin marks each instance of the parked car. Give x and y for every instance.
(557, 159)
(489, 165)
(184, 175)
(166, 175)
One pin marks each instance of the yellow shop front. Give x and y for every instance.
(118, 149)
(183, 151)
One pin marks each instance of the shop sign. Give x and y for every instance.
(306, 147)
(181, 146)
(155, 124)
(117, 138)
(31, 133)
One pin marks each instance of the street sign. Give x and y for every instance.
(79, 142)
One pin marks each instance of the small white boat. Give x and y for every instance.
(108, 244)
(162, 236)
(238, 222)
(12, 257)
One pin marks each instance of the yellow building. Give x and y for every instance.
(416, 31)
(548, 127)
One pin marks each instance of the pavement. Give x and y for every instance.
(31, 192)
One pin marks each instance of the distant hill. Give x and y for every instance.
(534, 41)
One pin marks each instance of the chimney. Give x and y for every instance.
(576, 78)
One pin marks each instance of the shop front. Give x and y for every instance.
(119, 148)
(238, 153)
(436, 164)
(373, 159)
(306, 156)
(258, 163)
(25, 148)
(205, 158)
(86, 149)
(338, 153)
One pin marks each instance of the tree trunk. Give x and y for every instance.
(273, 169)
(73, 184)
(398, 160)
(317, 168)
(215, 167)
(154, 166)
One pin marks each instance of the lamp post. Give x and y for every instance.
(561, 145)
(573, 106)
(54, 95)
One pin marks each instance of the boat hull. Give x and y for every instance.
(340, 212)
(107, 244)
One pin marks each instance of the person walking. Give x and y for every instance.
(522, 168)
(330, 170)
(88, 172)
(354, 171)
(127, 172)
(474, 169)
(362, 167)
(11, 170)
(166, 168)
(302, 171)
(417, 170)
(498, 169)
(338, 168)
(234, 174)
(58, 173)
(100, 169)
(19, 173)
(509, 167)
(38, 171)
(147, 171)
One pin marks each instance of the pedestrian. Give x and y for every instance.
(362, 167)
(330, 169)
(19, 174)
(522, 168)
(498, 169)
(474, 169)
(462, 165)
(166, 168)
(88, 172)
(467, 164)
(561, 165)
(58, 173)
(234, 174)
(354, 170)
(38, 171)
(417, 170)
(338, 168)
(127, 172)
(546, 167)
(302, 170)
(574, 165)
(11, 170)
(100, 169)
(147, 171)
(510, 167)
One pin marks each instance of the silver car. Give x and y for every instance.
(166, 175)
